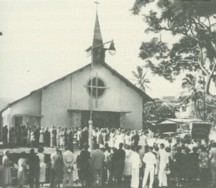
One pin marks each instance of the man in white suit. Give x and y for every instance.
(150, 161)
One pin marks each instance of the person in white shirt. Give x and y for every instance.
(69, 160)
(163, 162)
(135, 167)
(150, 161)
(142, 140)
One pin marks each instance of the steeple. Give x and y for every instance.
(98, 49)
(97, 40)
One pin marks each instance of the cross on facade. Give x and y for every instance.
(97, 87)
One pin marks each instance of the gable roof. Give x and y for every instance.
(141, 92)
(128, 83)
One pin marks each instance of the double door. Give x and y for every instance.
(101, 119)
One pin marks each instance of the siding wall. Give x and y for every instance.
(55, 101)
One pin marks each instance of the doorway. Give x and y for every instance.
(101, 119)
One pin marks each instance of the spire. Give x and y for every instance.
(97, 40)
(98, 52)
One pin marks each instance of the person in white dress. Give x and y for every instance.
(6, 170)
(107, 163)
(58, 135)
(118, 139)
(112, 139)
(29, 137)
(42, 172)
(41, 138)
(21, 174)
(127, 167)
(135, 167)
(62, 138)
(142, 140)
(32, 138)
(127, 139)
(163, 162)
(99, 138)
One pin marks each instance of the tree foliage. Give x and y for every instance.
(194, 23)
(157, 111)
(140, 78)
(204, 105)
(195, 94)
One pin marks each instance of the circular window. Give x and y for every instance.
(96, 87)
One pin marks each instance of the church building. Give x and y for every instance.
(95, 91)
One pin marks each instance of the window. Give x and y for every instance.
(98, 87)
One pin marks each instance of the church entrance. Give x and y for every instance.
(101, 119)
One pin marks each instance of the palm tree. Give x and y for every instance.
(194, 95)
(140, 78)
(189, 82)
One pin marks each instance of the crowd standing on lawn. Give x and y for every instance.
(119, 156)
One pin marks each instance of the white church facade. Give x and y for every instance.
(66, 102)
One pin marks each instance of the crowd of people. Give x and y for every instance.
(118, 156)
(34, 136)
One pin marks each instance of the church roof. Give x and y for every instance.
(97, 44)
(121, 77)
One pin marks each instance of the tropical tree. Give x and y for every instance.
(189, 82)
(204, 106)
(140, 78)
(194, 94)
(157, 111)
(193, 25)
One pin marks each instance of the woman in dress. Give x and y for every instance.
(127, 139)
(42, 170)
(29, 137)
(127, 167)
(6, 169)
(112, 166)
(112, 139)
(41, 138)
(32, 138)
(21, 174)
(117, 139)
(58, 133)
(62, 138)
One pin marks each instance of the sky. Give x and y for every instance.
(44, 40)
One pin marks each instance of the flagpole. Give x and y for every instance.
(91, 103)
(96, 45)
(90, 122)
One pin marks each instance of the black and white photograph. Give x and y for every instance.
(107, 93)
